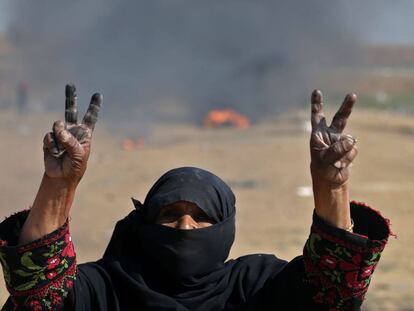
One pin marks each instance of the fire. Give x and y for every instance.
(221, 117)
(129, 144)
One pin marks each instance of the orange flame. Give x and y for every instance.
(221, 117)
(129, 144)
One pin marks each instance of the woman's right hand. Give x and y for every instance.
(66, 152)
(67, 147)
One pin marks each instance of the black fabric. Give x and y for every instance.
(186, 256)
(252, 283)
(370, 223)
(151, 267)
(195, 185)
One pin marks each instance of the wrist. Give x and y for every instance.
(62, 186)
(50, 208)
(55, 197)
(332, 203)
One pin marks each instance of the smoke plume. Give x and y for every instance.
(177, 59)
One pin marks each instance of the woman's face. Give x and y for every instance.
(183, 215)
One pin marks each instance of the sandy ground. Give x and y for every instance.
(265, 165)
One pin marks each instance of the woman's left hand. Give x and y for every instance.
(332, 152)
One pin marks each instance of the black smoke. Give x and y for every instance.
(179, 58)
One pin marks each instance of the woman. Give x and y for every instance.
(170, 252)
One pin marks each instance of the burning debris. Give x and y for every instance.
(226, 117)
(129, 144)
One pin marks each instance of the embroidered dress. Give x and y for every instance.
(333, 274)
(38, 275)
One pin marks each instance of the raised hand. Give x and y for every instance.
(332, 152)
(66, 152)
(67, 147)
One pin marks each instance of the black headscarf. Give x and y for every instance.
(195, 185)
(154, 267)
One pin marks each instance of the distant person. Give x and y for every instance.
(170, 253)
(22, 96)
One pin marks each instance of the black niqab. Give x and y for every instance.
(185, 256)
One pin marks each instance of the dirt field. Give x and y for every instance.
(265, 166)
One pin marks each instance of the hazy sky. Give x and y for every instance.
(3, 14)
(388, 22)
(385, 21)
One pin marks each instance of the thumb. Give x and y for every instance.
(337, 150)
(66, 139)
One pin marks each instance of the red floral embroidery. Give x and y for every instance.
(352, 280)
(55, 298)
(356, 259)
(35, 305)
(50, 275)
(329, 262)
(68, 238)
(367, 271)
(339, 268)
(53, 262)
(40, 274)
(347, 266)
(69, 250)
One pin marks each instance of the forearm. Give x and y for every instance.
(332, 203)
(50, 209)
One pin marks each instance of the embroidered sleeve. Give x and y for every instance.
(340, 264)
(40, 274)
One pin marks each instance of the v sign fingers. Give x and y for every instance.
(341, 117)
(317, 116)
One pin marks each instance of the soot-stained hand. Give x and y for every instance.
(332, 152)
(67, 147)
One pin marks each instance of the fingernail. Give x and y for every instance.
(64, 135)
(70, 90)
(349, 143)
(351, 137)
(58, 126)
(337, 164)
(316, 96)
(97, 97)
